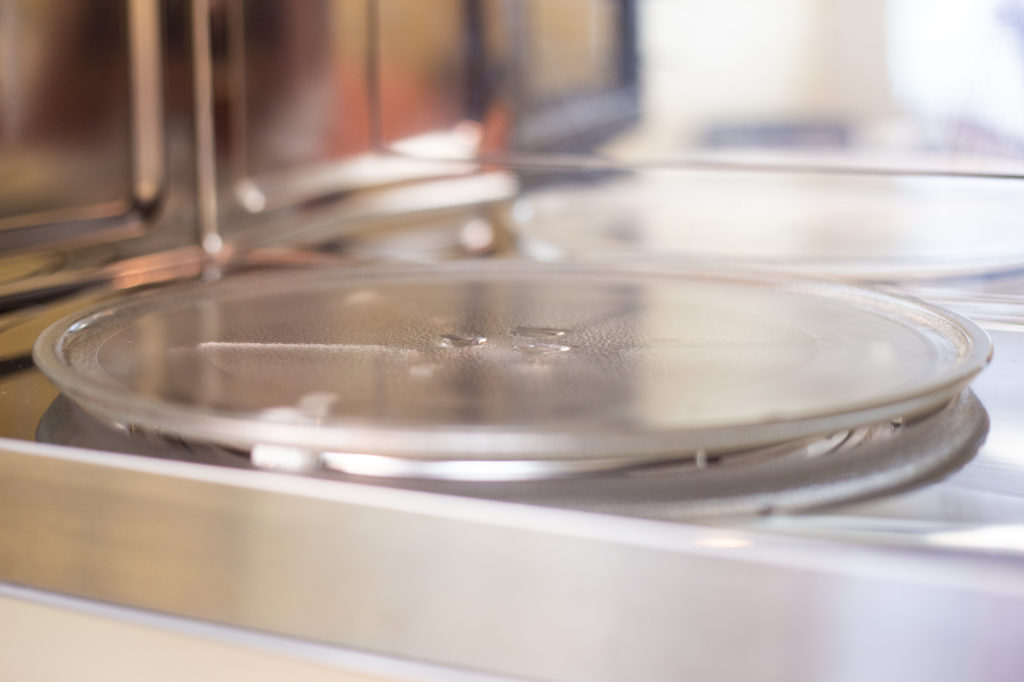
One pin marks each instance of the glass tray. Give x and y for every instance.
(577, 366)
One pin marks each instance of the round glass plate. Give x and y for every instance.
(510, 361)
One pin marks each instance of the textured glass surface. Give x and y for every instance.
(349, 358)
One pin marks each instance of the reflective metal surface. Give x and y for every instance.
(778, 479)
(296, 102)
(885, 84)
(274, 106)
(300, 99)
(95, 635)
(574, 597)
(81, 125)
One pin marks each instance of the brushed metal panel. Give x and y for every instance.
(500, 588)
(117, 644)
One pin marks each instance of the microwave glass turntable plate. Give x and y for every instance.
(492, 367)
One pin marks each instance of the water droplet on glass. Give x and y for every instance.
(462, 340)
(541, 348)
(538, 332)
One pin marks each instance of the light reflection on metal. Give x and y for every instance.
(1009, 537)
(147, 99)
(80, 120)
(205, 146)
(284, 458)
(723, 542)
